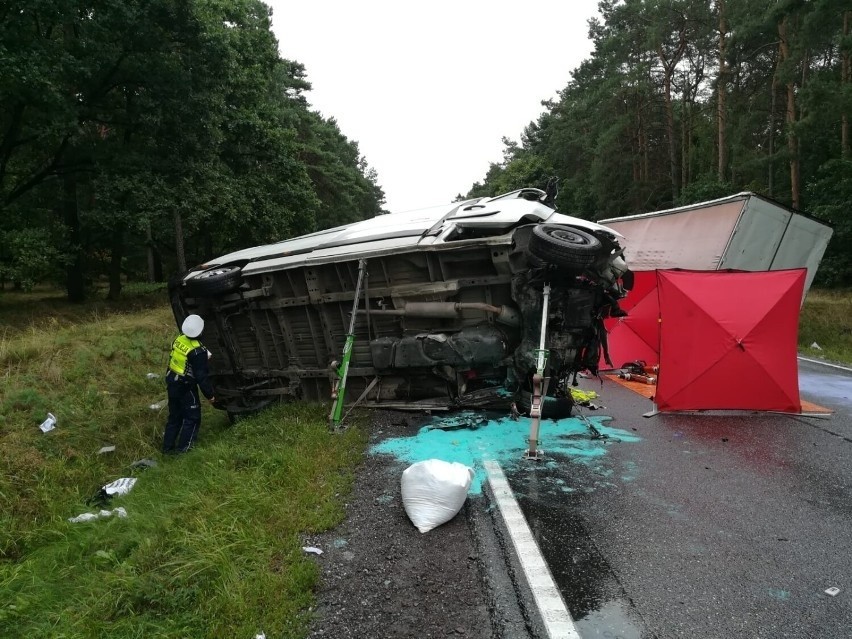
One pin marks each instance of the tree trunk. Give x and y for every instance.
(770, 183)
(74, 282)
(179, 247)
(116, 256)
(792, 139)
(721, 86)
(846, 79)
(670, 134)
(149, 245)
(684, 135)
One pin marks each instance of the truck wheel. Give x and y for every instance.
(564, 246)
(215, 281)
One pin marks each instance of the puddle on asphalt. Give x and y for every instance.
(597, 602)
(610, 621)
(821, 385)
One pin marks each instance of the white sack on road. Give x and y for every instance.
(433, 492)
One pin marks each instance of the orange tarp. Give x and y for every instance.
(648, 391)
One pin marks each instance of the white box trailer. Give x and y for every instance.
(743, 231)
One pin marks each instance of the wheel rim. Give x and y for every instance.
(569, 237)
(214, 272)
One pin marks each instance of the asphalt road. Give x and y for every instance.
(709, 526)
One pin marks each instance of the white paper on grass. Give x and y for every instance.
(433, 492)
(103, 514)
(48, 424)
(120, 486)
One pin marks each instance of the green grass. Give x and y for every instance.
(826, 319)
(211, 546)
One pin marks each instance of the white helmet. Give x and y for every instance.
(192, 326)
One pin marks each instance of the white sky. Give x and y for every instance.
(429, 89)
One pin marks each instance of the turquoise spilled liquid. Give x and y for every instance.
(471, 438)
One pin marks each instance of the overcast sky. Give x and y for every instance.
(429, 89)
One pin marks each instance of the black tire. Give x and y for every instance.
(564, 246)
(215, 281)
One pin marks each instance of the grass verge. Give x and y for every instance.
(826, 319)
(211, 546)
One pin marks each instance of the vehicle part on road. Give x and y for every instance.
(636, 377)
(450, 320)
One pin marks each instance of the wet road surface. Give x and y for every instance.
(710, 526)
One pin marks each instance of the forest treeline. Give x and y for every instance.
(687, 100)
(139, 137)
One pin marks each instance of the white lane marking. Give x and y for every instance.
(554, 613)
(816, 361)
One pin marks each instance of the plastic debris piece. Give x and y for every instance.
(261, 635)
(83, 517)
(119, 486)
(106, 449)
(833, 591)
(152, 376)
(581, 396)
(143, 463)
(312, 549)
(816, 346)
(159, 405)
(48, 424)
(102, 514)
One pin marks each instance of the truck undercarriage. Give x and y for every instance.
(449, 325)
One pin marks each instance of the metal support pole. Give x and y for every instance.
(539, 382)
(339, 391)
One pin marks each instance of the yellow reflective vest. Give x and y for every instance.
(181, 347)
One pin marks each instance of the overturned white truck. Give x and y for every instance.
(448, 313)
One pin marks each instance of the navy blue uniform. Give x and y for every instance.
(184, 401)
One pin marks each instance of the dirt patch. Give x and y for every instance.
(382, 578)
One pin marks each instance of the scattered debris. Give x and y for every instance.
(581, 396)
(433, 492)
(48, 424)
(143, 463)
(152, 376)
(106, 449)
(119, 486)
(159, 405)
(833, 591)
(102, 514)
(312, 549)
(816, 346)
(465, 419)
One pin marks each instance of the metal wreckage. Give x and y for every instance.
(487, 303)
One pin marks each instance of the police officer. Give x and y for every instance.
(187, 373)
